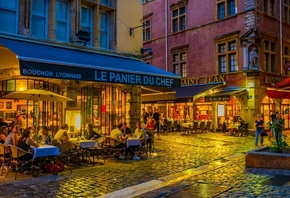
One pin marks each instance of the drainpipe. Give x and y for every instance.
(166, 35)
(281, 39)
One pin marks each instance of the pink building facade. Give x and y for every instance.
(228, 53)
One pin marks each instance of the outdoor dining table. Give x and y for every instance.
(84, 143)
(45, 151)
(186, 124)
(133, 142)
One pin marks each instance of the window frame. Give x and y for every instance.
(89, 26)
(269, 55)
(107, 30)
(180, 18)
(146, 29)
(226, 7)
(286, 11)
(227, 56)
(45, 17)
(16, 14)
(179, 63)
(66, 21)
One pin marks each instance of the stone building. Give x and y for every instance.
(228, 53)
(79, 48)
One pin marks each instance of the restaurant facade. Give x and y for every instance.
(41, 48)
(228, 58)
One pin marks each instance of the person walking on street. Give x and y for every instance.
(156, 117)
(259, 124)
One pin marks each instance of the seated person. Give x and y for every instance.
(47, 139)
(12, 137)
(118, 135)
(90, 133)
(125, 130)
(34, 134)
(140, 133)
(62, 136)
(225, 125)
(241, 123)
(3, 134)
(24, 143)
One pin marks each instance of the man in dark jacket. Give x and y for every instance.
(156, 117)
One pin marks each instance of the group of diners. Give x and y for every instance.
(30, 137)
(122, 133)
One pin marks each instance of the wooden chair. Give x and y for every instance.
(175, 126)
(201, 127)
(193, 128)
(150, 143)
(244, 131)
(113, 148)
(5, 161)
(15, 153)
(207, 127)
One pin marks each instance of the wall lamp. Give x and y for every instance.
(133, 28)
(83, 36)
(150, 51)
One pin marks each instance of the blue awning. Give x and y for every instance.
(225, 94)
(51, 61)
(190, 91)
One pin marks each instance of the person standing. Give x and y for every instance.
(156, 117)
(273, 120)
(259, 124)
(279, 126)
(144, 116)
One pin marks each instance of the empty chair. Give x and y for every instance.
(3, 157)
(244, 130)
(207, 127)
(201, 127)
(15, 154)
(176, 127)
(193, 128)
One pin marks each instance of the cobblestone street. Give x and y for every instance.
(197, 165)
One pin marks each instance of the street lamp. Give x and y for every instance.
(150, 51)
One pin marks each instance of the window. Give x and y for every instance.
(179, 63)
(104, 30)
(227, 56)
(178, 19)
(62, 20)
(269, 7)
(9, 16)
(270, 56)
(105, 2)
(286, 57)
(145, 1)
(226, 8)
(39, 18)
(147, 31)
(86, 20)
(286, 15)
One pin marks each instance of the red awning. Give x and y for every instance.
(283, 84)
(278, 93)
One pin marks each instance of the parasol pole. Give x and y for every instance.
(37, 120)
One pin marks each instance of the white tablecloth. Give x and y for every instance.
(186, 125)
(44, 151)
(133, 142)
(84, 143)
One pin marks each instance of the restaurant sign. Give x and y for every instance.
(98, 75)
(217, 98)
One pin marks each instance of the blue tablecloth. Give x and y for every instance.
(44, 151)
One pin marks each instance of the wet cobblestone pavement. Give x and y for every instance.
(173, 153)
